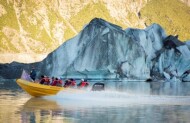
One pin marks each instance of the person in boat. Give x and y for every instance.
(52, 79)
(83, 84)
(47, 80)
(44, 80)
(33, 74)
(70, 83)
(57, 82)
(60, 82)
(73, 83)
(67, 83)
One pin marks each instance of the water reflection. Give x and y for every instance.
(34, 111)
(170, 88)
(41, 110)
(131, 102)
(151, 88)
(40, 103)
(10, 103)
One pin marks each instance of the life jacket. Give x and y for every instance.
(73, 83)
(60, 81)
(55, 82)
(67, 84)
(46, 80)
(84, 84)
(42, 80)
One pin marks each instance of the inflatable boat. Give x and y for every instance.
(38, 90)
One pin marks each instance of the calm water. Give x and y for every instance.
(122, 102)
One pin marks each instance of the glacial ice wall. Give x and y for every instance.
(173, 63)
(104, 50)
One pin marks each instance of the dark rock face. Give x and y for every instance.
(104, 50)
(14, 69)
(172, 42)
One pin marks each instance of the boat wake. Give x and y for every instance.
(113, 98)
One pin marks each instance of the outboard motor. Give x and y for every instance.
(98, 87)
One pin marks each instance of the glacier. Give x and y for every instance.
(103, 50)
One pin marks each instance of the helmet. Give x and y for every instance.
(82, 79)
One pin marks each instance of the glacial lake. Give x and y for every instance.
(122, 102)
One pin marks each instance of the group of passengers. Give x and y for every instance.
(59, 82)
(45, 80)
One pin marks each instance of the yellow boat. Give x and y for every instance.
(38, 90)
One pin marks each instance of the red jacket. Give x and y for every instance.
(45, 80)
(84, 84)
(73, 83)
(55, 82)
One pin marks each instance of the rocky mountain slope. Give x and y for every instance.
(187, 2)
(29, 30)
(172, 15)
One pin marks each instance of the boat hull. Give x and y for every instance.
(38, 90)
